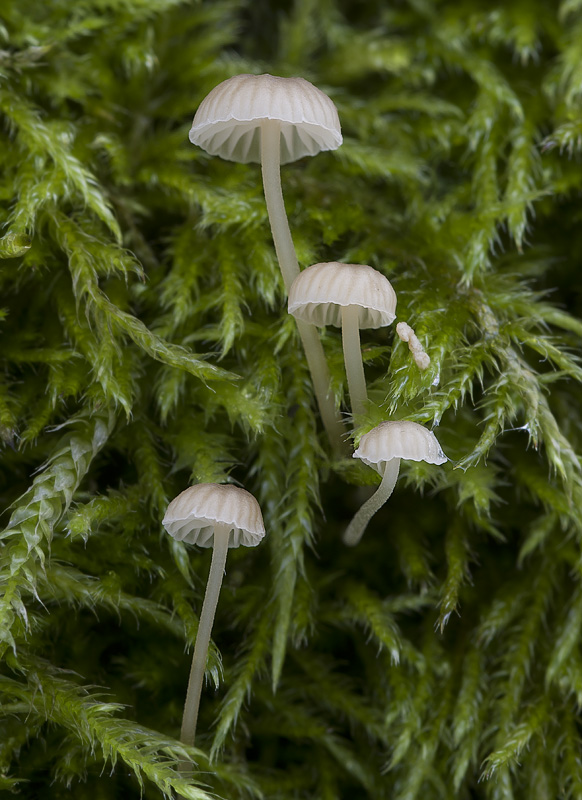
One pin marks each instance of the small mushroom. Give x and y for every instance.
(350, 296)
(272, 121)
(217, 516)
(383, 448)
(268, 120)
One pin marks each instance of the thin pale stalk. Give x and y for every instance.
(357, 526)
(271, 169)
(353, 360)
(321, 380)
(285, 250)
(219, 552)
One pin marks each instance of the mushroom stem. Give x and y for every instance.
(271, 169)
(321, 380)
(219, 552)
(353, 360)
(285, 250)
(357, 526)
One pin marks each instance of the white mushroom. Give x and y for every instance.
(217, 516)
(272, 121)
(268, 120)
(350, 296)
(383, 448)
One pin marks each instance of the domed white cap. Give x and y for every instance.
(318, 293)
(192, 515)
(228, 120)
(402, 439)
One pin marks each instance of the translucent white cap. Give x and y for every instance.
(192, 516)
(401, 439)
(229, 119)
(318, 293)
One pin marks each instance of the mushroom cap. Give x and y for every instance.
(401, 439)
(228, 121)
(318, 294)
(193, 514)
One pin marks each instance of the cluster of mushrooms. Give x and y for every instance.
(273, 121)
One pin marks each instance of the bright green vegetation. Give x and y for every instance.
(146, 345)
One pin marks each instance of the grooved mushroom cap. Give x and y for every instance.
(228, 121)
(401, 439)
(192, 515)
(319, 292)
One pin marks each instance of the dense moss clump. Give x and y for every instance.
(146, 346)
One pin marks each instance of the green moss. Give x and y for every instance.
(146, 345)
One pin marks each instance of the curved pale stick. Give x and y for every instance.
(353, 360)
(219, 552)
(407, 334)
(271, 170)
(357, 526)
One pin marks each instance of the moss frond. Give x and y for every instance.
(146, 346)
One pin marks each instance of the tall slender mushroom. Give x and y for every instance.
(350, 296)
(383, 448)
(217, 516)
(272, 121)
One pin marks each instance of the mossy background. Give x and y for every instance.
(146, 345)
